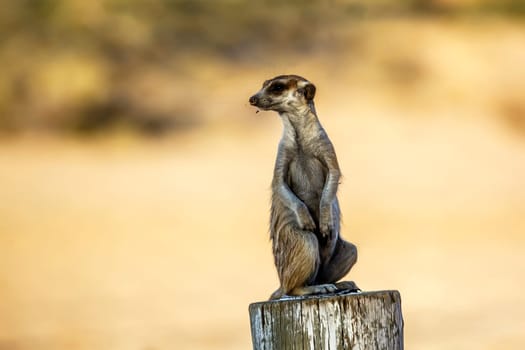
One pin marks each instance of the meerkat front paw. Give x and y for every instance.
(304, 219)
(326, 224)
(326, 228)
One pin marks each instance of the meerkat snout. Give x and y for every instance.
(254, 100)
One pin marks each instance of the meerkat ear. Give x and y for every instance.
(309, 91)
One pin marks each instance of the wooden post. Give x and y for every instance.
(361, 321)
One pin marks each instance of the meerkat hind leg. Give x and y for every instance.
(297, 261)
(340, 263)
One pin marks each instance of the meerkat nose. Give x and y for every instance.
(253, 100)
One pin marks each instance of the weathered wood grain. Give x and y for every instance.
(358, 321)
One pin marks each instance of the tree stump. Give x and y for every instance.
(367, 320)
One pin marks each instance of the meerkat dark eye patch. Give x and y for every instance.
(277, 88)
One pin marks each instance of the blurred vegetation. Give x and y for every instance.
(89, 66)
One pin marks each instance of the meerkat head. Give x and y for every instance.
(284, 93)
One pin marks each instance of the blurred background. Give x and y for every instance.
(135, 177)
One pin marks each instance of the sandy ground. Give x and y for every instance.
(130, 244)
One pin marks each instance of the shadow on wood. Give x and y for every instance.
(368, 320)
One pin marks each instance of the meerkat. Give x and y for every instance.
(309, 253)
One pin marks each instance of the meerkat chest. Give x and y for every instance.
(306, 176)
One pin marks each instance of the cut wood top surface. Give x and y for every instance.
(320, 297)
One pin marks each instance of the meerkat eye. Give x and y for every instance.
(277, 87)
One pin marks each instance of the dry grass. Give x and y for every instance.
(129, 244)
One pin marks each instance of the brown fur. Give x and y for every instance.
(308, 251)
